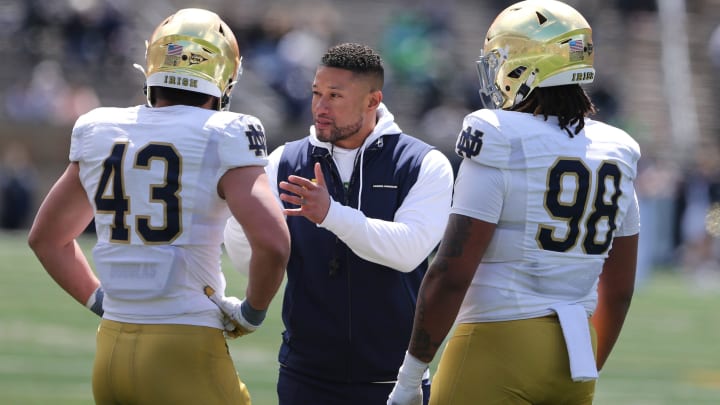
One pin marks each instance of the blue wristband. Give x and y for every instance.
(252, 315)
(96, 302)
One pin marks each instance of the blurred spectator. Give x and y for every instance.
(407, 47)
(655, 186)
(92, 33)
(417, 48)
(11, 22)
(39, 35)
(440, 127)
(283, 48)
(631, 6)
(714, 54)
(17, 187)
(606, 102)
(35, 99)
(78, 99)
(699, 191)
(48, 97)
(714, 46)
(313, 32)
(86, 34)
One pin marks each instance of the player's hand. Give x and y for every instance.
(407, 390)
(405, 395)
(234, 322)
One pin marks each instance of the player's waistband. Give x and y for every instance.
(126, 327)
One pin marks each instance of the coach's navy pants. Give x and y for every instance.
(298, 389)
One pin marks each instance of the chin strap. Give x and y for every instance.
(145, 86)
(144, 73)
(225, 99)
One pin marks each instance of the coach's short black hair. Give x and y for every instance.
(357, 58)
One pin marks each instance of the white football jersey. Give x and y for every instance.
(557, 200)
(151, 175)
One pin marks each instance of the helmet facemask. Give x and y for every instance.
(488, 66)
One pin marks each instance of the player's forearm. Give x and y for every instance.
(615, 291)
(437, 307)
(433, 321)
(62, 217)
(608, 321)
(67, 265)
(237, 246)
(267, 270)
(446, 282)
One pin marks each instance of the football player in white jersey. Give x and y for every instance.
(160, 181)
(537, 265)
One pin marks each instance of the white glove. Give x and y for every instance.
(234, 321)
(408, 390)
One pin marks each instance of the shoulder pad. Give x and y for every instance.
(482, 141)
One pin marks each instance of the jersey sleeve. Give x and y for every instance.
(77, 138)
(243, 143)
(630, 225)
(479, 192)
(482, 141)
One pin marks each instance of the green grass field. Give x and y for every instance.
(668, 354)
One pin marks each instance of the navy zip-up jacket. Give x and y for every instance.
(348, 319)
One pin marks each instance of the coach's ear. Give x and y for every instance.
(374, 99)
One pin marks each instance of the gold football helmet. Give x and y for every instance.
(534, 43)
(194, 50)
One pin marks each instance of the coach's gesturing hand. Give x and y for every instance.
(311, 196)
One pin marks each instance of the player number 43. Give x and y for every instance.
(110, 197)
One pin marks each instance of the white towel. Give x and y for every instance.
(574, 324)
